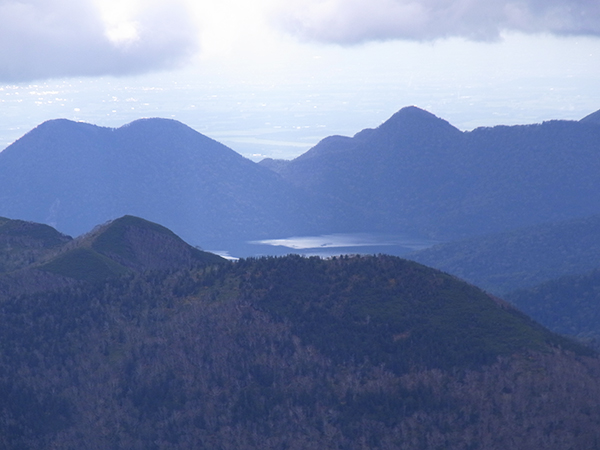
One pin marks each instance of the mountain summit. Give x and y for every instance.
(413, 120)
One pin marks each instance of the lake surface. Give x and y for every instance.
(327, 245)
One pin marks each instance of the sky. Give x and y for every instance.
(270, 78)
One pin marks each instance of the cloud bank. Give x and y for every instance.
(357, 21)
(66, 38)
(63, 38)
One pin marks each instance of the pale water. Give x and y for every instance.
(327, 245)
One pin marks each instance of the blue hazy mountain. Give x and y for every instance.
(569, 305)
(516, 259)
(415, 174)
(593, 118)
(418, 173)
(74, 175)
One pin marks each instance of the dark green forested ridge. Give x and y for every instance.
(138, 243)
(380, 308)
(30, 233)
(114, 350)
(84, 264)
(111, 238)
(287, 352)
(24, 243)
(36, 257)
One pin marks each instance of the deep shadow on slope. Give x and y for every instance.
(503, 262)
(222, 357)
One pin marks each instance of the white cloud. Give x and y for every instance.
(59, 38)
(356, 21)
(65, 38)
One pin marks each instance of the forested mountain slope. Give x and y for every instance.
(416, 173)
(38, 258)
(569, 305)
(291, 352)
(23, 243)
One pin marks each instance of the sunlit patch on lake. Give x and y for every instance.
(224, 254)
(344, 240)
(343, 243)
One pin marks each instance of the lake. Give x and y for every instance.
(327, 245)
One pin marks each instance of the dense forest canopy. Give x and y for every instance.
(291, 352)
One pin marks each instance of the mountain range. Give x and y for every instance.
(415, 174)
(74, 175)
(522, 200)
(160, 345)
(419, 174)
(125, 336)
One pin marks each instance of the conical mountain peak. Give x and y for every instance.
(414, 118)
(156, 124)
(414, 112)
(141, 245)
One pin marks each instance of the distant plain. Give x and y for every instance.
(284, 119)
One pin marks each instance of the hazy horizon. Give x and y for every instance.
(272, 78)
(274, 121)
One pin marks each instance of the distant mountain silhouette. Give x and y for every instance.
(414, 174)
(417, 173)
(75, 175)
